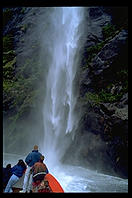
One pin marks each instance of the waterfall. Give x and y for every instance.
(59, 118)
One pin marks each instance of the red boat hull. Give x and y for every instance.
(54, 184)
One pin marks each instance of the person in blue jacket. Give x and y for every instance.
(30, 160)
(17, 172)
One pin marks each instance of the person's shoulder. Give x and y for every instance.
(39, 153)
(43, 164)
(14, 167)
(37, 163)
(29, 154)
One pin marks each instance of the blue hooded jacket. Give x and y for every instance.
(32, 158)
(18, 170)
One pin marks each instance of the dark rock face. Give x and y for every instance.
(95, 13)
(21, 28)
(103, 63)
(101, 141)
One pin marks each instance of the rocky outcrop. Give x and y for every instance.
(109, 53)
(104, 63)
(101, 141)
(22, 71)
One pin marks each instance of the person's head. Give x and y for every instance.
(35, 147)
(21, 163)
(41, 158)
(8, 166)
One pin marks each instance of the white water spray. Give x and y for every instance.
(60, 98)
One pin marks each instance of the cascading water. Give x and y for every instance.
(60, 98)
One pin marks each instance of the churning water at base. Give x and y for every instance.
(60, 97)
(78, 179)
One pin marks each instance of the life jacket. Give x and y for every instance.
(39, 170)
(41, 187)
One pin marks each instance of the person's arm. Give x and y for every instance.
(28, 159)
(47, 171)
(32, 169)
(24, 169)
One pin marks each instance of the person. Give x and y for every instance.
(30, 160)
(17, 172)
(39, 170)
(7, 173)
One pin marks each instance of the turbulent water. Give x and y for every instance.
(78, 179)
(60, 98)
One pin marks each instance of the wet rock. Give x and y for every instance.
(108, 120)
(95, 12)
(111, 109)
(109, 53)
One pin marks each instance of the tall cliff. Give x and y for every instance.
(102, 139)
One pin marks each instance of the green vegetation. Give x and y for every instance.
(92, 52)
(103, 96)
(109, 97)
(92, 98)
(20, 92)
(9, 63)
(8, 56)
(9, 69)
(7, 43)
(108, 31)
(113, 92)
(23, 10)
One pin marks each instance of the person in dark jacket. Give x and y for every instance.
(30, 160)
(17, 172)
(7, 173)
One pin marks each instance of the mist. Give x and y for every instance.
(62, 45)
(59, 34)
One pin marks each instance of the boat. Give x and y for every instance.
(52, 182)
